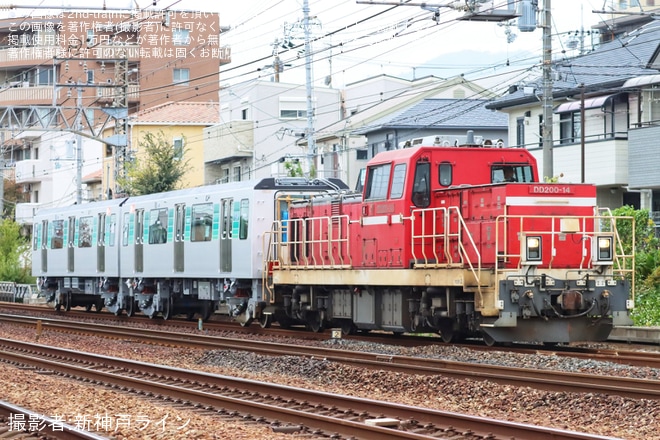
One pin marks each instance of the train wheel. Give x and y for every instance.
(88, 308)
(168, 308)
(446, 329)
(265, 320)
(314, 322)
(207, 310)
(488, 339)
(67, 302)
(130, 307)
(98, 306)
(245, 322)
(347, 327)
(117, 311)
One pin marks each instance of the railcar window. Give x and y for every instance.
(421, 195)
(35, 236)
(158, 229)
(243, 226)
(445, 172)
(202, 222)
(377, 181)
(85, 232)
(110, 229)
(124, 229)
(398, 179)
(57, 239)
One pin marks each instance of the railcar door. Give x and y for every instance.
(44, 246)
(225, 234)
(179, 234)
(100, 244)
(70, 246)
(139, 240)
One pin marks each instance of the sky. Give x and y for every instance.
(354, 41)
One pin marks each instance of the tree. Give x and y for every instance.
(159, 168)
(13, 249)
(12, 194)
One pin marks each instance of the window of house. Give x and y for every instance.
(362, 154)
(293, 108)
(570, 127)
(90, 76)
(540, 130)
(181, 77)
(177, 146)
(378, 181)
(91, 38)
(245, 114)
(237, 174)
(520, 132)
(45, 77)
(180, 37)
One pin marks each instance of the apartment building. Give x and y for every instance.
(64, 76)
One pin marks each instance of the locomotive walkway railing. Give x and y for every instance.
(438, 233)
(586, 228)
(13, 292)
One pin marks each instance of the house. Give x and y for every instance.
(261, 126)
(346, 145)
(64, 75)
(606, 117)
(182, 125)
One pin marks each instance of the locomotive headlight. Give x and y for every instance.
(532, 249)
(604, 252)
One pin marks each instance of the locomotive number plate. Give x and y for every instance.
(550, 189)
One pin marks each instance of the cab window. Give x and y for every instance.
(378, 181)
(445, 174)
(421, 193)
(398, 179)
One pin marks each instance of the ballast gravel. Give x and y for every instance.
(135, 418)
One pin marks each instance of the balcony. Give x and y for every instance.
(23, 95)
(229, 141)
(109, 94)
(16, 56)
(25, 212)
(30, 171)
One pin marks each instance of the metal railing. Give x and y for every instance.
(13, 292)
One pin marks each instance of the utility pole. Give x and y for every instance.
(79, 158)
(547, 91)
(309, 133)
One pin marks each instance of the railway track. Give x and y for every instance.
(545, 379)
(319, 414)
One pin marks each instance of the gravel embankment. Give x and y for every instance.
(593, 413)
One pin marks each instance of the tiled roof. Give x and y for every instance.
(202, 113)
(96, 176)
(445, 113)
(606, 68)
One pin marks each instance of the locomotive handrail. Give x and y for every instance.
(622, 263)
(447, 237)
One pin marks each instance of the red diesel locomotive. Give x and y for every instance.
(464, 241)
